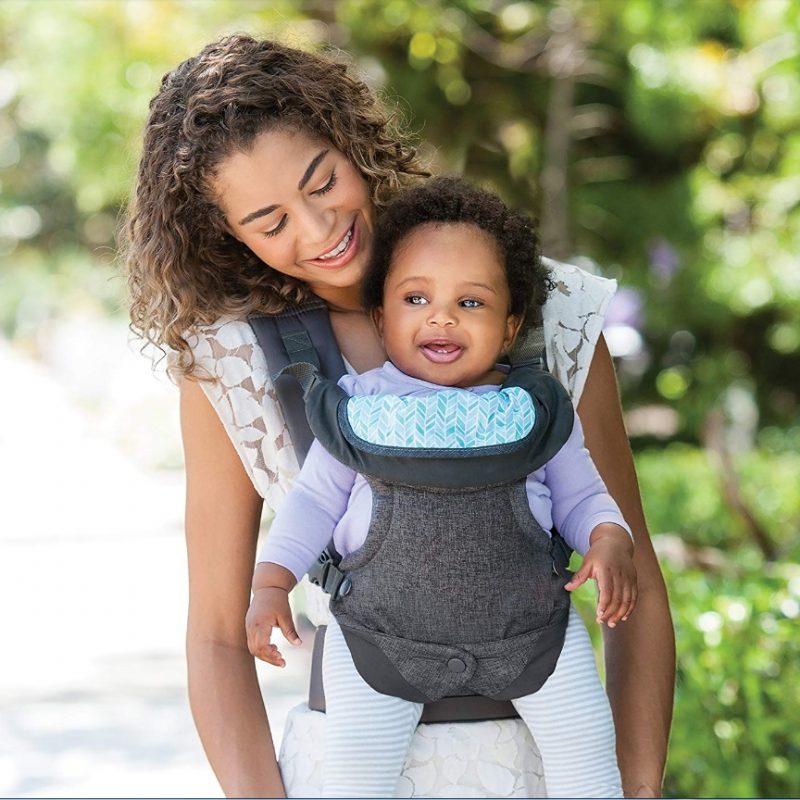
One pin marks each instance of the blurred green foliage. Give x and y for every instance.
(681, 492)
(738, 684)
(659, 139)
(736, 621)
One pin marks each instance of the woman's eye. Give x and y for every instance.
(416, 300)
(277, 229)
(471, 303)
(329, 185)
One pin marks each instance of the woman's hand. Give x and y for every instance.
(609, 561)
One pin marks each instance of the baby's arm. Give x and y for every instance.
(300, 531)
(591, 523)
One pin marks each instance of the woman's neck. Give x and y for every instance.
(344, 299)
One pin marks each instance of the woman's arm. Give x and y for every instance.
(222, 517)
(640, 653)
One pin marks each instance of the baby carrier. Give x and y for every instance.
(498, 629)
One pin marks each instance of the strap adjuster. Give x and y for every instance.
(329, 577)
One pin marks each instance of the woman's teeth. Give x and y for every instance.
(340, 248)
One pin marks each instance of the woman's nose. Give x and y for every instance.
(317, 226)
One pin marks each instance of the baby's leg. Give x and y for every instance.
(367, 734)
(570, 719)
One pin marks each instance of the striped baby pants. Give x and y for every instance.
(368, 734)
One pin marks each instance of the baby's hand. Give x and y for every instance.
(269, 609)
(609, 561)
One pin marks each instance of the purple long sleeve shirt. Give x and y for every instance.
(329, 500)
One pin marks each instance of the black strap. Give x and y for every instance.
(302, 334)
(299, 334)
(529, 348)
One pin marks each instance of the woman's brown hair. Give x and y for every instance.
(184, 268)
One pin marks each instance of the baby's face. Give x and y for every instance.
(445, 315)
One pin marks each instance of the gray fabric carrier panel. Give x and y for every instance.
(454, 591)
(480, 611)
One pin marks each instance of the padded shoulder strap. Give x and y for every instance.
(529, 349)
(301, 334)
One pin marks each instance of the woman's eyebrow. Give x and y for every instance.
(310, 169)
(262, 212)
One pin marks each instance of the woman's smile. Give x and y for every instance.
(343, 252)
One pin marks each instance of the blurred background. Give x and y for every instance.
(657, 141)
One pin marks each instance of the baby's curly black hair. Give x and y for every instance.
(454, 200)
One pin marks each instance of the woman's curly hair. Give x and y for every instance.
(184, 269)
(451, 200)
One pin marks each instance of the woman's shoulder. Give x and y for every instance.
(225, 337)
(575, 288)
(573, 318)
(238, 385)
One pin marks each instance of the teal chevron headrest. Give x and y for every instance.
(448, 419)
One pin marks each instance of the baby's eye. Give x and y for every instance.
(470, 302)
(416, 300)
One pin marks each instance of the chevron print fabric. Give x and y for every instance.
(450, 419)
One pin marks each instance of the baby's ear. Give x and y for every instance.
(377, 320)
(513, 324)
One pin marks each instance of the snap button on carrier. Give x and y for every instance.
(456, 665)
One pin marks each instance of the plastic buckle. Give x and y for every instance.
(329, 577)
(336, 583)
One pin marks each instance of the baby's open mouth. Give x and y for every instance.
(441, 351)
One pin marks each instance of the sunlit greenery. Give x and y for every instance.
(658, 141)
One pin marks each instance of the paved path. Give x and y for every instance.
(93, 599)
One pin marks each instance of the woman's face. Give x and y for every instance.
(302, 208)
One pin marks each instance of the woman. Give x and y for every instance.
(257, 154)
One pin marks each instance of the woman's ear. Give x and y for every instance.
(513, 324)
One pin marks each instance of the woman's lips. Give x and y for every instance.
(441, 351)
(346, 256)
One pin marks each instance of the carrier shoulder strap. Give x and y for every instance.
(302, 334)
(529, 348)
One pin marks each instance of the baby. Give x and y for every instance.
(454, 277)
